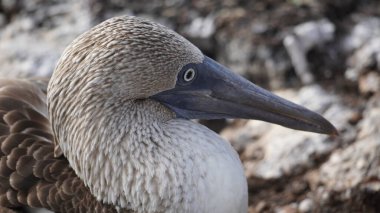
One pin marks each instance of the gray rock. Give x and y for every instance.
(306, 206)
(364, 42)
(369, 83)
(304, 37)
(201, 31)
(352, 166)
(287, 152)
(237, 54)
(201, 27)
(366, 28)
(27, 50)
(242, 136)
(291, 208)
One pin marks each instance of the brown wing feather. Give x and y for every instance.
(30, 175)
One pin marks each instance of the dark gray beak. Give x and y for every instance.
(214, 92)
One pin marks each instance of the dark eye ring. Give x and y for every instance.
(189, 75)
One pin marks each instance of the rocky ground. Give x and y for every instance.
(322, 54)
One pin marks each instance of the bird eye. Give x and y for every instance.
(189, 75)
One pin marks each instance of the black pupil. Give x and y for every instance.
(189, 75)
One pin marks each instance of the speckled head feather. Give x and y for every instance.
(128, 57)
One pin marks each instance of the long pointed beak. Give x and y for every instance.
(216, 92)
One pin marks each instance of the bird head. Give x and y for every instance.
(129, 58)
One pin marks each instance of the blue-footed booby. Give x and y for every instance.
(113, 131)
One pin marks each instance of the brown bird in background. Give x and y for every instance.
(111, 133)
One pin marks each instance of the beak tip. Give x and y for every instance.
(324, 126)
(329, 129)
(334, 133)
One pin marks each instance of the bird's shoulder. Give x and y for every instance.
(30, 174)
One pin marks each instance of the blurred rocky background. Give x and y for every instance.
(323, 54)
